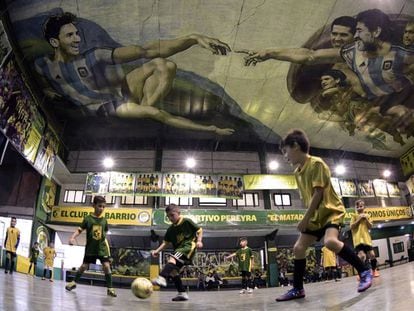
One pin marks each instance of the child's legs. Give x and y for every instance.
(8, 259)
(304, 241)
(299, 250)
(244, 279)
(362, 255)
(81, 270)
(108, 273)
(331, 240)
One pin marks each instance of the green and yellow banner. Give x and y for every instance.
(214, 218)
(389, 213)
(264, 182)
(221, 218)
(115, 216)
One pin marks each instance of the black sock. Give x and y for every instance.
(178, 284)
(299, 266)
(244, 282)
(108, 279)
(44, 273)
(168, 269)
(7, 263)
(374, 264)
(347, 254)
(30, 268)
(11, 265)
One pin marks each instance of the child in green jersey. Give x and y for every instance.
(34, 254)
(245, 257)
(185, 236)
(97, 246)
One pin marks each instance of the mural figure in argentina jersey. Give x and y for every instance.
(104, 81)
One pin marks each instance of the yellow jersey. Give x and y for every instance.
(315, 173)
(12, 239)
(49, 254)
(360, 234)
(328, 257)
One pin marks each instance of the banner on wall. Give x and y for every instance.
(407, 162)
(269, 182)
(366, 189)
(20, 119)
(214, 218)
(48, 195)
(46, 157)
(230, 186)
(227, 218)
(115, 216)
(380, 187)
(204, 185)
(165, 184)
(176, 183)
(149, 184)
(393, 189)
(121, 183)
(348, 188)
(389, 213)
(97, 183)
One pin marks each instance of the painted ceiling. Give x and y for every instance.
(190, 69)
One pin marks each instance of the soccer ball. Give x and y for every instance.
(142, 288)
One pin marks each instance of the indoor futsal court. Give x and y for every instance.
(235, 155)
(394, 290)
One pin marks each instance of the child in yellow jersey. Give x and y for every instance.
(324, 213)
(49, 255)
(360, 225)
(11, 243)
(328, 261)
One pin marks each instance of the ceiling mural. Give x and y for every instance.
(236, 70)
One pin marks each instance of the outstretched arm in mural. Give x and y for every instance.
(142, 87)
(132, 110)
(153, 80)
(294, 55)
(166, 48)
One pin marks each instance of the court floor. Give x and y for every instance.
(394, 290)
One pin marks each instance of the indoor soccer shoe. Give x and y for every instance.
(242, 291)
(160, 281)
(292, 294)
(365, 281)
(249, 291)
(70, 286)
(181, 296)
(111, 292)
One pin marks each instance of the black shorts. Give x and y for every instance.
(321, 232)
(92, 259)
(181, 260)
(363, 247)
(246, 274)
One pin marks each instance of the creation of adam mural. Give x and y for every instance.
(238, 70)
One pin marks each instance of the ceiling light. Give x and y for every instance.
(386, 173)
(340, 169)
(273, 165)
(108, 162)
(190, 162)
